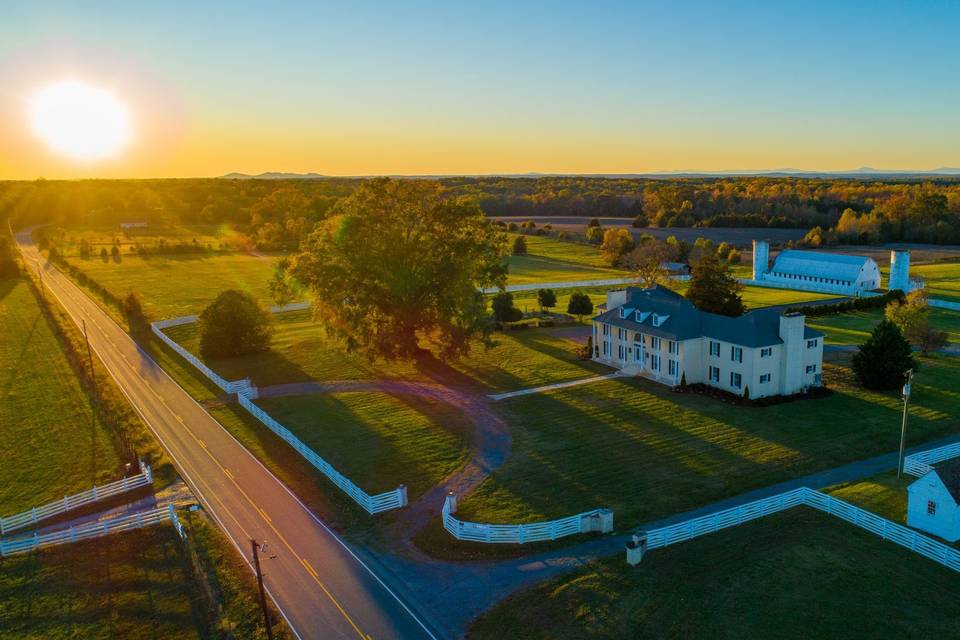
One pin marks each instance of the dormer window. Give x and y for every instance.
(642, 315)
(659, 320)
(625, 312)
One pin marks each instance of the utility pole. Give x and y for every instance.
(908, 374)
(263, 595)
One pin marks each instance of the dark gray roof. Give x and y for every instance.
(757, 328)
(949, 473)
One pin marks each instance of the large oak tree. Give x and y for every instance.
(397, 261)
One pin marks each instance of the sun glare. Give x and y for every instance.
(80, 120)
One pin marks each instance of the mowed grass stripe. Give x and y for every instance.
(647, 452)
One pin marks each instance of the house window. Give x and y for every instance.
(620, 351)
(672, 347)
(637, 354)
(811, 368)
(766, 352)
(736, 354)
(714, 374)
(672, 367)
(811, 344)
(655, 363)
(621, 333)
(931, 508)
(765, 378)
(606, 347)
(606, 329)
(735, 380)
(714, 348)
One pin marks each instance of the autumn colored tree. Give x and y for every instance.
(399, 260)
(616, 244)
(912, 317)
(647, 261)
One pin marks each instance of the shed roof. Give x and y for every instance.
(821, 265)
(949, 474)
(757, 328)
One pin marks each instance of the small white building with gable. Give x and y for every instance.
(658, 334)
(933, 501)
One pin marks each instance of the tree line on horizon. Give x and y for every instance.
(279, 214)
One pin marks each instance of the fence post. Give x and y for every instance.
(33, 510)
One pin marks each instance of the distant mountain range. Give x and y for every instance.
(862, 172)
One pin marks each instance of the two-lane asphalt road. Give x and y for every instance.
(322, 588)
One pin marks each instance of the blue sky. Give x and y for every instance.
(350, 88)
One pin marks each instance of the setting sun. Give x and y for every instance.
(79, 120)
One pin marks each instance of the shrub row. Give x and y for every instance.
(854, 304)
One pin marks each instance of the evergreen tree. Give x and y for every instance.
(714, 289)
(519, 246)
(580, 305)
(503, 309)
(883, 358)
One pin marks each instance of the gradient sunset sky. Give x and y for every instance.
(353, 88)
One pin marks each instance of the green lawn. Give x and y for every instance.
(550, 260)
(99, 235)
(799, 574)
(50, 442)
(883, 494)
(646, 452)
(854, 328)
(942, 279)
(301, 352)
(177, 285)
(132, 585)
(379, 440)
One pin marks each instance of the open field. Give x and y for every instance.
(854, 328)
(646, 452)
(378, 440)
(302, 353)
(765, 579)
(132, 585)
(50, 442)
(178, 285)
(102, 235)
(942, 279)
(550, 260)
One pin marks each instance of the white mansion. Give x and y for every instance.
(658, 334)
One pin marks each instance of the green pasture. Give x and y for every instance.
(646, 452)
(132, 585)
(855, 327)
(51, 443)
(794, 575)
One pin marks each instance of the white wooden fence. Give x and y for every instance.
(36, 514)
(372, 504)
(597, 520)
(246, 392)
(920, 463)
(227, 386)
(904, 536)
(92, 530)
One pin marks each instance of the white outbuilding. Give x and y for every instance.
(933, 501)
(815, 271)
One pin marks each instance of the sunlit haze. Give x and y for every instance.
(438, 88)
(79, 121)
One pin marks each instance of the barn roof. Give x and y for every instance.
(683, 321)
(949, 473)
(820, 265)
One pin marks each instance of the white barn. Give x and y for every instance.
(658, 334)
(815, 271)
(933, 501)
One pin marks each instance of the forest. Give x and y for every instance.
(277, 214)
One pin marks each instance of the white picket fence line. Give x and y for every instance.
(575, 284)
(36, 514)
(92, 530)
(373, 504)
(886, 529)
(227, 386)
(247, 392)
(921, 463)
(595, 520)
